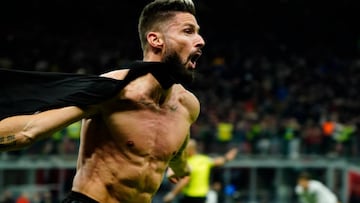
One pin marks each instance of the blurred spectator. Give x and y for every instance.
(310, 190)
(7, 197)
(313, 138)
(214, 194)
(23, 198)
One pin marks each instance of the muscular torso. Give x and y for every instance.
(126, 148)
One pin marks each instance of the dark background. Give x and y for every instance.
(49, 29)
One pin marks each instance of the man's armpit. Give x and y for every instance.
(179, 155)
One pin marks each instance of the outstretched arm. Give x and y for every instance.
(230, 155)
(18, 132)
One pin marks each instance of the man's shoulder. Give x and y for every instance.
(180, 89)
(315, 182)
(189, 100)
(315, 185)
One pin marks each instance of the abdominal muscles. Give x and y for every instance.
(113, 174)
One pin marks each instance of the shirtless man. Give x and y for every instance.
(128, 142)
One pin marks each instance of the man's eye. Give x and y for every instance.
(188, 31)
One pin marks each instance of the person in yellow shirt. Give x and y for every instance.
(194, 188)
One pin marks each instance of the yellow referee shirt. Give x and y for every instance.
(200, 174)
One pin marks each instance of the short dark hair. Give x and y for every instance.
(304, 175)
(160, 11)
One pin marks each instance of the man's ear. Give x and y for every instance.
(155, 40)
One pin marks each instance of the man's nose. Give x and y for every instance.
(200, 42)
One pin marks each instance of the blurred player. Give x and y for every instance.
(313, 191)
(194, 188)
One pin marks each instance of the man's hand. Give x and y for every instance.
(171, 176)
(231, 154)
(174, 178)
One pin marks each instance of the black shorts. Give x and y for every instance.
(75, 197)
(187, 199)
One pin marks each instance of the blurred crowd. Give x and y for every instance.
(26, 197)
(289, 105)
(264, 87)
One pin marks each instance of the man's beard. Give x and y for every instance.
(178, 70)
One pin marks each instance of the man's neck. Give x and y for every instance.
(156, 91)
(161, 72)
